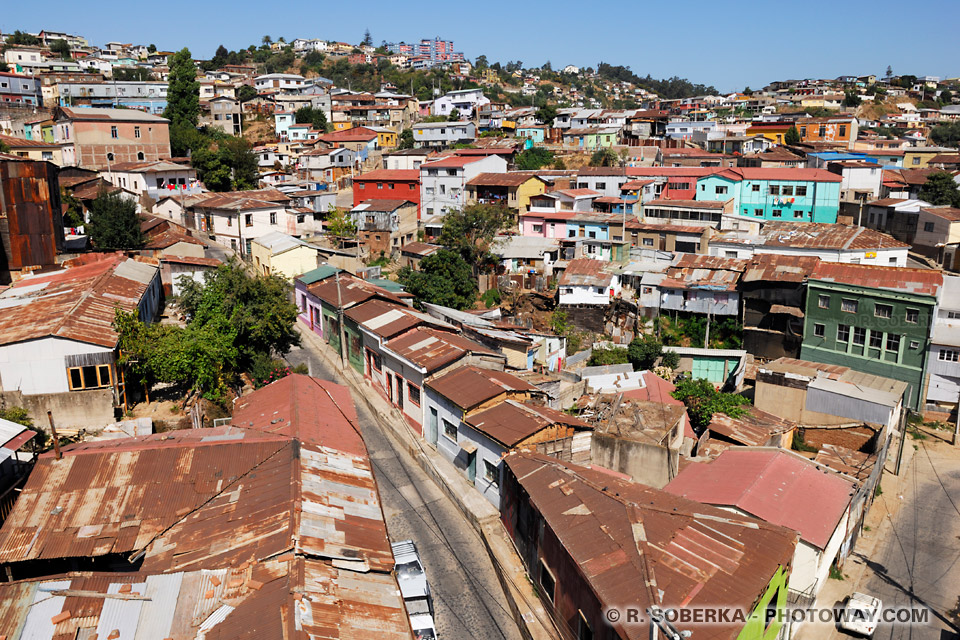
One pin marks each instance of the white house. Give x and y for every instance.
(405, 159)
(860, 180)
(586, 282)
(236, 218)
(443, 134)
(443, 182)
(943, 388)
(319, 164)
(464, 101)
(57, 341)
(276, 82)
(153, 179)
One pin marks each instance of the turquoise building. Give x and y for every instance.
(799, 195)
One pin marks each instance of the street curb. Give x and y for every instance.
(528, 612)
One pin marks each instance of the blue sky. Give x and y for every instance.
(727, 44)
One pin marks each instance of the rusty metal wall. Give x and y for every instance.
(31, 223)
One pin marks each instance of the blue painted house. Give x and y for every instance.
(534, 133)
(800, 195)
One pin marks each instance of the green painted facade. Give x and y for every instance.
(331, 333)
(877, 331)
(757, 626)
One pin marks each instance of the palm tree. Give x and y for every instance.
(266, 40)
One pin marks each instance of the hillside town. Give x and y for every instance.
(323, 340)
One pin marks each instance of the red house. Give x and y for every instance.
(388, 184)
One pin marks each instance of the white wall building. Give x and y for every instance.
(464, 101)
(943, 388)
(443, 182)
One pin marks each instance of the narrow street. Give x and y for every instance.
(918, 562)
(468, 598)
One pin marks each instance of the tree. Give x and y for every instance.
(405, 141)
(454, 115)
(605, 157)
(546, 114)
(470, 231)
(703, 400)
(602, 357)
(747, 91)
(315, 117)
(547, 66)
(889, 72)
(4, 147)
(4, 66)
(792, 136)
(644, 351)
(851, 99)
(60, 46)
(533, 158)
(120, 74)
(444, 278)
(940, 190)
(946, 96)
(946, 135)
(481, 63)
(114, 223)
(367, 40)
(266, 40)
(340, 225)
(20, 38)
(246, 93)
(183, 101)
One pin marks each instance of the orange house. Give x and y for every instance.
(840, 130)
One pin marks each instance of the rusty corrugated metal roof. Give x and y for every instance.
(586, 272)
(924, 282)
(432, 349)
(754, 428)
(624, 535)
(470, 386)
(511, 422)
(76, 303)
(693, 271)
(349, 291)
(775, 267)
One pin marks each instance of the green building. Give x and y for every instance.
(872, 319)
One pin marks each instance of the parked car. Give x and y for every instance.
(415, 589)
(861, 613)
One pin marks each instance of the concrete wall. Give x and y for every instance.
(646, 463)
(71, 411)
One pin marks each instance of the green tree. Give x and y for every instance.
(4, 66)
(121, 74)
(340, 225)
(367, 40)
(16, 414)
(889, 72)
(946, 135)
(444, 278)
(747, 91)
(851, 99)
(481, 63)
(61, 47)
(546, 114)
(941, 190)
(613, 355)
(405, 140)
(151, 48)
(946, 96)
(183, 101)
(792, 136)
(4, 147)
(644, 351)
(315, 117)
(604, 158)
(470, 231)
(533, 158)
(114, 223)
(454, 115)
(21, 38)
(703, 400)
(266, 40)
(246, 93)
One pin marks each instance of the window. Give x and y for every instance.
(803, 132)
(136, 132)
(819, 330)
(892, 260)
(248, 219)
(413, 392)
(584, 632)
(721, 191)
(914, 344)
(893, 342)
(876, 339)
(273, 217)
(859, 335)
(755, 188)
(949, 355)
(913, 316)
(376, 360)
(140, 155)
(449, 431)
(601, 186)
(758, 212)
(849, 306)
(538, 228)
(843, 130)
(362, 185)
(89, 377)
(800, 191)
(928, 226)
(882, 310)
(491, 472)
(822, 131)
(110, 157)
(379, 185)
(593, 234)
(229, 221)
(843, 333)
(798, 214)
(777, 213)
(648, 242)
(548, 582)
(915, 161)
(774, 190)
(300, 218)
(114, 133)
(786, 191)
(953, 315)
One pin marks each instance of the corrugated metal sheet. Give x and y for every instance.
(586, 272)
(432, 349)
(510, 422)
(30, 208)
(917, 281)
(470, 386)
(45, 606)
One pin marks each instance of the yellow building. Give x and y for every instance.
(513, 189)
(919, 157)
(283, 255)
(386, 138)
(34, 149)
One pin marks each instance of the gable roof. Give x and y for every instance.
(775, 485)
(470, 386)
(511, 422)
(917, 281)
(431, 349)
(779, 173)
(585, 272)
(509, 179)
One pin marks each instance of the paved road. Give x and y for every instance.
(918, 563)
(469, 602)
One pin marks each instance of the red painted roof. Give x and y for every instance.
(777, 486)
(411, 175)
(779, 173)
(916, 281)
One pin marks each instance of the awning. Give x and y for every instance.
(468, 446)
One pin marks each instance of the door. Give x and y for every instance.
(472, 466)
(390, 388)
(432, 427)
(399, 392)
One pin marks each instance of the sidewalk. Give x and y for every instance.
(532, 618)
